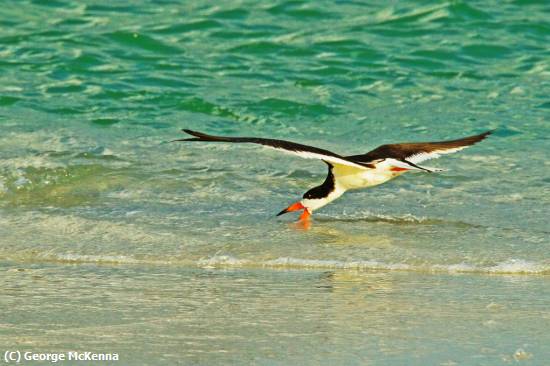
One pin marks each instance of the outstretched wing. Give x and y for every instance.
(303, 151)
(408, 155)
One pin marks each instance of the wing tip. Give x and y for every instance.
(487, 133)
(198, 136)
(471, 140)
(192, 133)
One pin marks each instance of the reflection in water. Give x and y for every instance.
(301, 225)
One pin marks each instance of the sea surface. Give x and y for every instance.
(113, 239)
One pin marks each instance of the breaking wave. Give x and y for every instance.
(511, 266)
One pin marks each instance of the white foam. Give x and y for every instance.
(319, 263)
(122, 259)
(222, 260)
(518, 266)
(512, 266)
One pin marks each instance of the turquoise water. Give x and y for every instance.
(112, 238)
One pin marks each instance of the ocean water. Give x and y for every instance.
(113, 239)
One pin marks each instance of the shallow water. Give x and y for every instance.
(93, 196)
(183, 315)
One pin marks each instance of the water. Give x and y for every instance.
(114, 239)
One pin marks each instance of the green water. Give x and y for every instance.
(114, 240)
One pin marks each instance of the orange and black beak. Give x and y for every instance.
(304, 217)
(294, 207)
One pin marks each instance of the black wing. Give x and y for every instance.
(416, 152)
(304, 151)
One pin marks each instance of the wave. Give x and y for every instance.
(510, 266)
(405, 219)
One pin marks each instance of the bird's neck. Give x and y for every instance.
(315, 204)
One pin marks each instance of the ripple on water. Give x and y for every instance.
(143, 42)
(197, 25)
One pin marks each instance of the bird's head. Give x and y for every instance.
(310, 202)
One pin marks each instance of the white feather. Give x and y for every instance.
(327, 158)
(423, 156)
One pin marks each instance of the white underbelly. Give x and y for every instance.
(360, 178)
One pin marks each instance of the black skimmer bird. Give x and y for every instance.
(356, 171)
